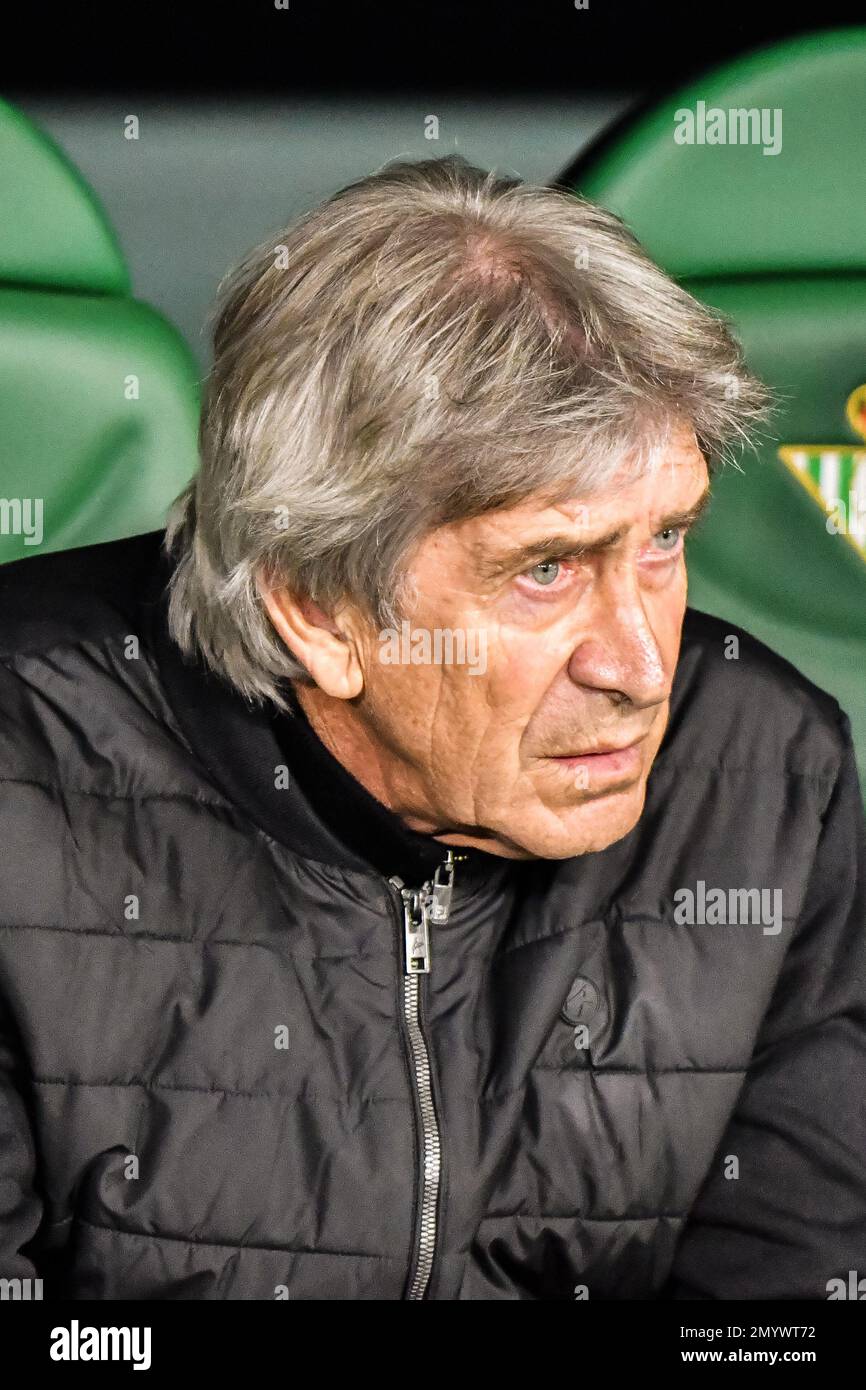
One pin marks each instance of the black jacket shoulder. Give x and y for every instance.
(82, 705)
(75, 596)
(738, 703)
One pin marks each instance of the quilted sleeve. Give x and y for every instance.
(20, 1207)
(794, 1219)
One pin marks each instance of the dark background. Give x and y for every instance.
(317, 46)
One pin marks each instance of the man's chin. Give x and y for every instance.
(545, 831)
(588, 826)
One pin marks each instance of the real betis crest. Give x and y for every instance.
(835, 475)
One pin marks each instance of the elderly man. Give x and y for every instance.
(404, 895)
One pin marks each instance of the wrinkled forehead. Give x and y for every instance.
(674, 480)
(673, 475)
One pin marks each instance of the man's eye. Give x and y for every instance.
(669, 538)
(547, 572)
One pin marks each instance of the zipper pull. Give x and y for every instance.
(431, 903)
(440, 897)
(416, 931)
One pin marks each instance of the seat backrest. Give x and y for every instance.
(746, 187)
(99, 395)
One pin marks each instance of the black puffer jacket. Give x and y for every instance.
(212, 1081)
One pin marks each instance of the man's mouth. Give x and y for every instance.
(604, 761)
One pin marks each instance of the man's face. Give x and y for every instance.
(571, 649)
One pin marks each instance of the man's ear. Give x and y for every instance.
(327, 647)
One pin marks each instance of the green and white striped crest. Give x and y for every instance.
(835, 476)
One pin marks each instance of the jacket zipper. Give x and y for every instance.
(422, 907)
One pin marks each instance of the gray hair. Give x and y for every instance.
(431, 342)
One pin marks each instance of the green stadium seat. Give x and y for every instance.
(99, 395)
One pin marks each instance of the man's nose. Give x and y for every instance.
(622, 656)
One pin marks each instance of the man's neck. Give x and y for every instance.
(348, 739)
(382, 774)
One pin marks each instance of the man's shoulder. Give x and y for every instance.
(737, 702)
(75, 597)
(77, 674)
